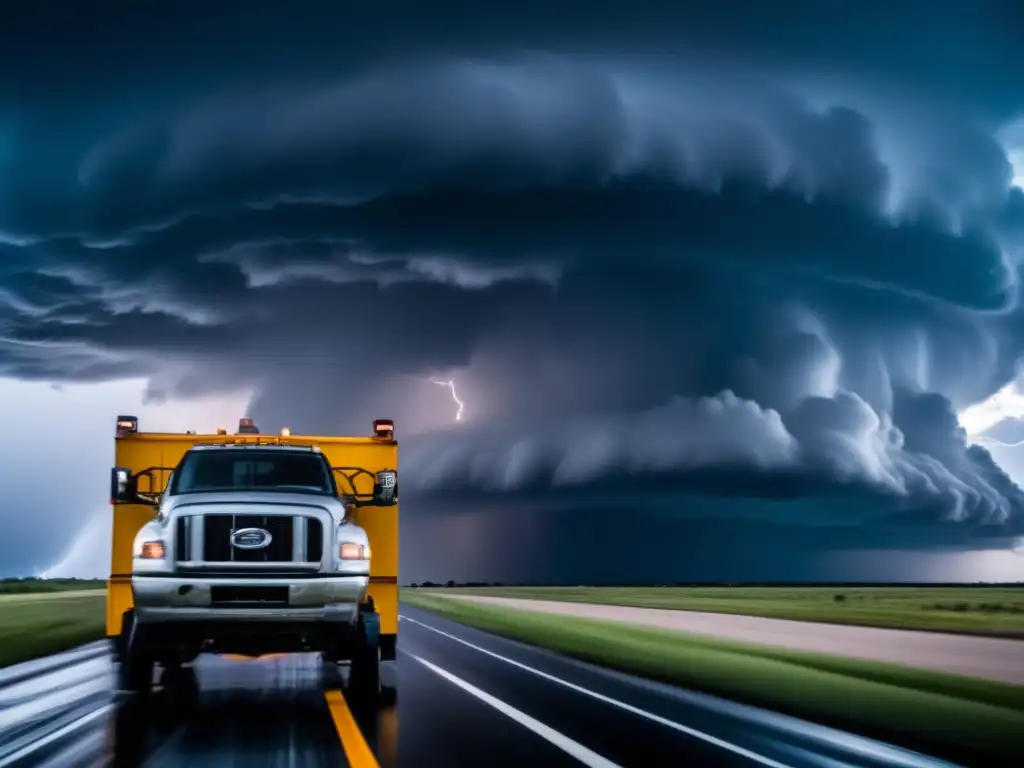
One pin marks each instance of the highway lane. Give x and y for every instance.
(455, 696)
(635, 722)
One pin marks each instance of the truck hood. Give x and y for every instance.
(266, 500)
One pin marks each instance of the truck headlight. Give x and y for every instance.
(352, 551)
(150, 550)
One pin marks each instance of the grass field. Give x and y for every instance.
(35, 625)
(967, 610)
(970, 721)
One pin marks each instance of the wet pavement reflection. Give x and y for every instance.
(266, 712)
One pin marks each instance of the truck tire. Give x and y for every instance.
(137, 672)
(115, 643)
(137, 663)
(364, 677)
(180, 685)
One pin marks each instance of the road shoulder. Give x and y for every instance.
(949, 716)
(987, 658)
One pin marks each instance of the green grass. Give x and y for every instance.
(33, 626)
(964, 610)
(959, 718)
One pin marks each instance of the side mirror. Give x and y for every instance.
(385, 489)
(122, 486)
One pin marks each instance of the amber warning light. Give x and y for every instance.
(383, 428)
(127, 425)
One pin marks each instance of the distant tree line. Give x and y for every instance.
(726, 584)
(432, 585)
(34, 584)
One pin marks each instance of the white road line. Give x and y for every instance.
(721, 743)
(563, 742)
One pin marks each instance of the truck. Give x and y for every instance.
(251, 544)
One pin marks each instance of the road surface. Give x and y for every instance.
(988, 658)
(455, 697)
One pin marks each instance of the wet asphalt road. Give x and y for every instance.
(455, 696)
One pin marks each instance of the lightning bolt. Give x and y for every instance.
(451, 385)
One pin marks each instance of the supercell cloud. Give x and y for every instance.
(668, 254)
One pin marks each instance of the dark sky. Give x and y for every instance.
(713, 279)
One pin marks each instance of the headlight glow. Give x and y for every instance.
(150, 550)
(351, 551)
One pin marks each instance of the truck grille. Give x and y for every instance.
(181, 540)
(314, 541)
(216, 540)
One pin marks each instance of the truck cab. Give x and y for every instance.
(252, 544)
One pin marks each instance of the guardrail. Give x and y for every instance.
(16, 673)
(45, 704)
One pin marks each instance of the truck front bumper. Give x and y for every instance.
(188, 614)
(176, 598)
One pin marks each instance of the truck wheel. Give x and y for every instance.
(137, 671)
(181, 685)
(365, 676)
(115, 642)
(365, 673)
(137, 663)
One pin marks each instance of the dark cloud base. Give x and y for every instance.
(627, 544)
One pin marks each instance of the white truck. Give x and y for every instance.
(253, 550)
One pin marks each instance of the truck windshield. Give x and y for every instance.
(252, 470)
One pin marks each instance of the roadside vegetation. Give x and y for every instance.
(981, 610)
(36, 624)
(23, 586)
(970, 721)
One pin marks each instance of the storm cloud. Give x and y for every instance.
(666, 254)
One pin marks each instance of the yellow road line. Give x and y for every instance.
(356, 749)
